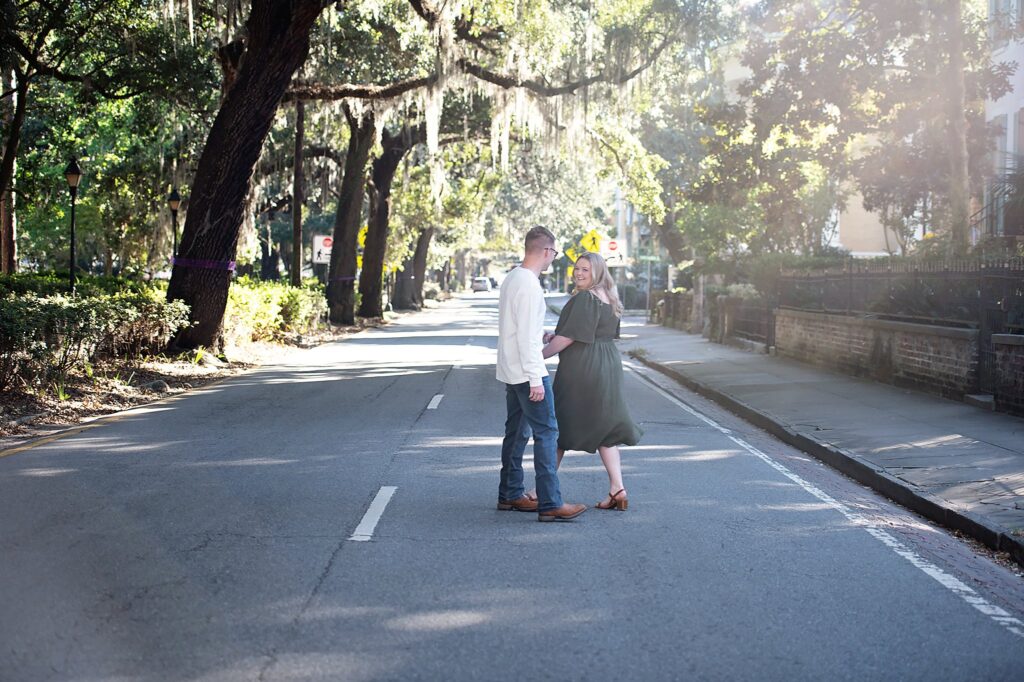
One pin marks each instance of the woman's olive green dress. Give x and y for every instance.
(589, 404)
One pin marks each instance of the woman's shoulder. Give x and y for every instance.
(597, 298)
(584, 299)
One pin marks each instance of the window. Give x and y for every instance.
(1001, 13)
(1018, 145)
(1002, 133)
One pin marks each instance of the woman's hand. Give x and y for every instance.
(556, 345)
(547, 337)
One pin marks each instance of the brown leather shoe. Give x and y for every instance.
(524, 503)
(566, 512)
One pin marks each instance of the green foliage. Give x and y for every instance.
(862, 87)
(56, 283)
(762, 271)
(632, 297)
(266, 311)
(44, 338)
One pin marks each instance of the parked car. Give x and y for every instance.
(481, 284)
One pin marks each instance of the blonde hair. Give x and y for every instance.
(601, 280)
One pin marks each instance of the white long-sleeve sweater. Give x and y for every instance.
(521, 310)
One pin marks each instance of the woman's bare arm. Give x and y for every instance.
(556, 346)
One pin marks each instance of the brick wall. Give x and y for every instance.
(1009, 349)
(938, 359)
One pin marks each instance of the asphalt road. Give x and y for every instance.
(233, 534)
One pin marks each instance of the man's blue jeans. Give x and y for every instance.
(523, 417)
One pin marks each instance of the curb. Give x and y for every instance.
(991, 535)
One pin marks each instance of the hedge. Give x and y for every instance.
(45, 334)
(43, 338)
(267, 311)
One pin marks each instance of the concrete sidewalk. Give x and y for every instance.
(961, 466)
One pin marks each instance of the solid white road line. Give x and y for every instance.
(364, 531)
(435, 401)
(951, 583)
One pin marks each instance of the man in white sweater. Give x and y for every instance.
(528, 398)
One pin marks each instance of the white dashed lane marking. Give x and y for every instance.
(364, 531)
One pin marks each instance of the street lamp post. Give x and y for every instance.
(73, 174)
(173, 202)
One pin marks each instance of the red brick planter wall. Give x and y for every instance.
(941, 360)
(1009, 350)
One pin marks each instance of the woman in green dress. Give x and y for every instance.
(589, 403)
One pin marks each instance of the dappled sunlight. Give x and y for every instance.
(109, 446)
(439, 621)
(797, 507)
(702, 456)
(458, 338)
(464, 442)
(491, 468)
(657, 447)
(787, 485)
(935, 442)
(392, 371)
(249, 462)
(45, 472)
(326, 612)
(137, 412)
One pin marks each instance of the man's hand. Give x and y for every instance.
(537, 393)
(547, 337)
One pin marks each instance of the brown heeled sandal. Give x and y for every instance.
(614, 502)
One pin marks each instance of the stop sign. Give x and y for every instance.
(328, 242)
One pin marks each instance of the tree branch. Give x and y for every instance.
(545, 90)
(323, 92)
(427, 13)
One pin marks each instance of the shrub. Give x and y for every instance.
(140, 324)
(745, 291)
(431, 291)
(302, 309)
(632, 297)
(263, 310)
(56, 284)
(42, 339)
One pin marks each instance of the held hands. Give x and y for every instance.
(547, 337)
(537, 393)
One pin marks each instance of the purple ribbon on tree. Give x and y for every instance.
(228, 265)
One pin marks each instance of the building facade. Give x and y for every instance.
(1006, 116)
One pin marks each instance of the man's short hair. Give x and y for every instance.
(538, 238)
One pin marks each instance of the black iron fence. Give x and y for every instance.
(987, 295)
(753, 319)
(672, 309)
(961, 293)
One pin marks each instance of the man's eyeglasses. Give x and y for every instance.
(548, 248)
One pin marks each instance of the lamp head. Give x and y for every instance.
(73, 174)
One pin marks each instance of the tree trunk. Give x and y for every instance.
(341, 279)
(300, 135)
(409, 282)
(671, 238)
(278, 45)
(460, 271)
(8, 234)
(404, 297)
(8, 241)
(384, 167)
(419, 264)
(444, 274)
(959, 180)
